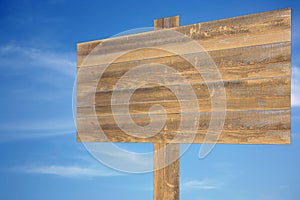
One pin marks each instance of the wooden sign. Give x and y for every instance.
(251, 53)
(225, 81)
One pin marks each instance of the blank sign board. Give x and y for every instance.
(224, 81)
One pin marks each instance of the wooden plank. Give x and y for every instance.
(255, 94)
(171, 107)
(166, 179)
(233, 64)
(251, 127)
(166, 156)
(250, 30)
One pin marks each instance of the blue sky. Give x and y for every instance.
(40, 158)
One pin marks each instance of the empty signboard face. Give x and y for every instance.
(225, 81)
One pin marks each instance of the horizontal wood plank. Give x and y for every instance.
(240, 127)
(249, 94)
(250, 103)
(233, 64)
(250, 30)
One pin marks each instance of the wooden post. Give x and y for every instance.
(167, 22)
(166, 179)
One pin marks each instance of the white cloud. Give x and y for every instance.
(201, 185)
(17, 56)
(38, 125)
(295, 98)
(12, 131)
(9, 137)
(47, 75)
(72, 171)
(53, 83)
(120, 158)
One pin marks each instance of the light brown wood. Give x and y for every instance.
(249, 30)
(253, 94)
(166, 22)
(251, 127)
(166, 156)
(166, 179)
(252, 54)
(268, 60)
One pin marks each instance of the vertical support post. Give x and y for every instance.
(166, 179)
(167, 22)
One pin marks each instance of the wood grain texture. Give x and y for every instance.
(166, 22)
(252, 54)
(166, 179)
(241, 127)
(233, 64)
(166, 156)
(171, 107)
(250, 30)
(254, 94)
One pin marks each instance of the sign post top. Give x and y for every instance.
(167, 22)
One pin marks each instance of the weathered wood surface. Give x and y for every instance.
(166, 22)
(260, 61)
(166, 156)
(262, 94)
(249, 30)
(252, 54)
(166, 179)
(255, 127)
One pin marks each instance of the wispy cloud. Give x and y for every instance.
(13, 55)
(49, 75)
(201, 185)
(38, 75)
(38, 125)
(295, 86)
(12, 131)
(9, 137)
(121, 159)
(71, 171)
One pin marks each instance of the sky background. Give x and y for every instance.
(39, 157)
